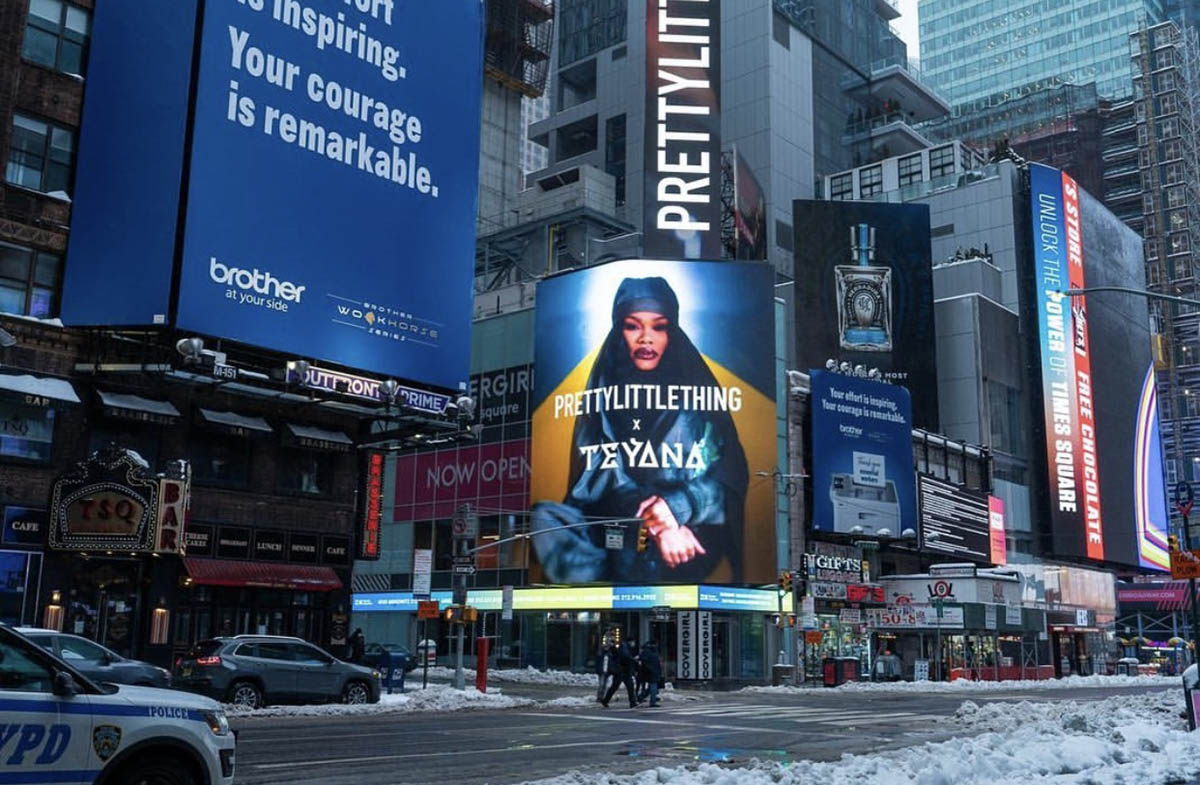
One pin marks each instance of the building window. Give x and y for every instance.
(56, 35)
(1174, 174)
(1175, 196)
(1167, 128)
(1167, 104)
(870, 181)
(614, 153)
(910, 169)
(306, 472)
(941, 161)
(41, 155)
(1178, 243)
(220, 459)
(28, 281)
(26, 432)
(841, 186)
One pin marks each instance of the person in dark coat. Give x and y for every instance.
(604, 665)
(625, 665)
(651, 668)
(357, 644)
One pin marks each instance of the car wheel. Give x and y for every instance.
(356, 693)
(246, 693)
(155, 771)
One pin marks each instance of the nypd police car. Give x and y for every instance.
(58, 726)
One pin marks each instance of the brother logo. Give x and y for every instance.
(850, 430)
(255, 280)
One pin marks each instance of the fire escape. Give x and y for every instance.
(517, 51)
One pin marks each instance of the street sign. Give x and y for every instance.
(813, 636)
(422, 571)
(1185, 564)
(614, 539)
(506, 603)
(465, 524)
(223, 371)
(427, 609)
(464, 569)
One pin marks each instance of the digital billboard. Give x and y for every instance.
(333, 182)
(863, 480)
(330, 183)
(1103, 462)
(955, 521)
(682, 193)
(654, 404)
(864, 293)
(749, 211)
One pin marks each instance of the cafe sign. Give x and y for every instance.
(108, 503)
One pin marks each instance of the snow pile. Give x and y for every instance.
(436, 697)
(1118, 741)
(528, 675)
(964, 685)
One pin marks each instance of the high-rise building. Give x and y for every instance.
(1164, 62)
(807, 88)
(980, 54)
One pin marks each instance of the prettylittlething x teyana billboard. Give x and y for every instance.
(331, 190)
(1099, 408)
(654, 406)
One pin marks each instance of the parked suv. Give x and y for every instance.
(95, 661)
(254, 670)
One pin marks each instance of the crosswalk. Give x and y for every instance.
(799, 714)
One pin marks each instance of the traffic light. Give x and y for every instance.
(642, 535)
(1173, 541)
(778, 619)
(791, 620)
(785, 581)
(470, 614)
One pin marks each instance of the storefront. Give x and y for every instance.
(704, 633)
(961, 622)
(833, 612)
(114, 540)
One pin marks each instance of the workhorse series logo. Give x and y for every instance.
(105, 740)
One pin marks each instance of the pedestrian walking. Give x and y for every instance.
(625, 664)
(357, 644)
(603, 667)
(651, 665)
(638, 684)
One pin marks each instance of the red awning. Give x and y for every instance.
(223, 572)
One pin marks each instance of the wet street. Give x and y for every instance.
(515, 745)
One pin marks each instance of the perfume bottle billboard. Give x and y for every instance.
(872, 306)
(864, 296)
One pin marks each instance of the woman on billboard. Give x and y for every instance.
(678, 469)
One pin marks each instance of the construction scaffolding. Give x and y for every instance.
(517, 51)
(1166, 78)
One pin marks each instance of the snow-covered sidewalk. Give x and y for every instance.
(515, 676)
(1117, 741)
(434, 698)
(965, 686)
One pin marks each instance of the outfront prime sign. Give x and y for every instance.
(328, 182)
(682, 199)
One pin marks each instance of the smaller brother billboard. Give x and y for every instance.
(864, 293)
(654, 405)
(863, 479)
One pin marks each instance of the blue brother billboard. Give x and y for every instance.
(862, 457)
(332, 182)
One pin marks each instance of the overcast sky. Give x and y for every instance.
(907, 26)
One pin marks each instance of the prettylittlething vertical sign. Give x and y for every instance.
(682, 199)
(1070, 421)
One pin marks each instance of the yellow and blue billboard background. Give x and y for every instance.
(725, 310)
